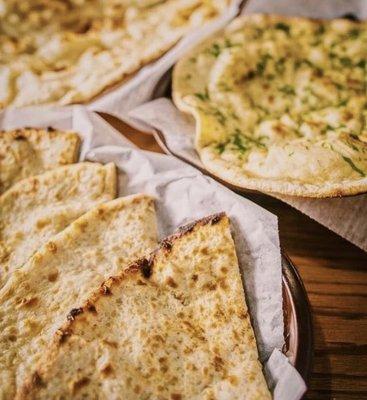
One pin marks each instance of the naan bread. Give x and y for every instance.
(281, 104)
(68, 52)
(31, 151)
(39, 207)
(173, 326)
(62, 274)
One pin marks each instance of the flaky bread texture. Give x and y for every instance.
(31, 151)
(39, 207)
(35, 301)
(172, 326)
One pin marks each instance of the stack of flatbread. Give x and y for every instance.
(92, 307)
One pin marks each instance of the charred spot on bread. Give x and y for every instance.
(73, 313)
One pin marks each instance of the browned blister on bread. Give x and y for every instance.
(31, 151)
(61, 275)
(174, 325)
(37, 208)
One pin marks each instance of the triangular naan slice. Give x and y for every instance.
(39, 207)
(174, 326)
(31, 151)
(62, 274)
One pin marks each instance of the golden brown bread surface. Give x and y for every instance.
(280, 104)
(61, 275)
(37, 208)
(32, 151)
(172, 326)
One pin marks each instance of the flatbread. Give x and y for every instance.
(30, 151)
(173, 326)
(37, 208)
(280, 104)
(58, 52)
(62, 274)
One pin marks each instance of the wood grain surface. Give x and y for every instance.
(335, 276)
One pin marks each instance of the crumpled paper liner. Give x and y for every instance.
(184, 194)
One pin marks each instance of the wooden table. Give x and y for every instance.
(335, 276)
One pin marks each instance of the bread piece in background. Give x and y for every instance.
(39, 207)
(172, 326)
(70, 52)
(280, 104)
(32, 151)
(62, 274)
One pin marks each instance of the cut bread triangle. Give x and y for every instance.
(172, 326)
(62, 274)
(31, 151)
(39, 207)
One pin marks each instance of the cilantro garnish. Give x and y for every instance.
(287, 89)
(353, 166)
(283, 27)
(203, 96)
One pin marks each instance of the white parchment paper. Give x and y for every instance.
(346, 216)
(139, 89)
(184, 194)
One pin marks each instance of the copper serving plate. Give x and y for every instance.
(297, 320)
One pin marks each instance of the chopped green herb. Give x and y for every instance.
(342, 103)
(220, 147)
(234, 116)
(308, 62)
(250, 140)
(279, 65)
(326, 128)
(283, 27)
(261, 65)
(214, 50)
(353, 166)
(228, 44)
(237, 141)
(224, 86)
(338, 85)
(203, 96)
(220, 116)
(320, 30)
(361, 64)
(354, 33)
(287, 89)
(345, 61)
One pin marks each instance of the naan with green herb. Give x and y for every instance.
(281, 104)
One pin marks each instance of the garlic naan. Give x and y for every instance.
(281, 104)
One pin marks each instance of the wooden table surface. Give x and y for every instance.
(335, 276)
